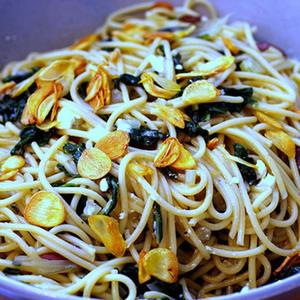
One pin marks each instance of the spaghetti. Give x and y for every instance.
(158, 157)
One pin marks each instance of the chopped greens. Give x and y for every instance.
(11, 271)
(157, 222)
(11, 108)
(172, 174)
(178, 66)
(248, 173)
(145, 138)
(205, 37)
(28, 135)
(74, 149)
(173, 29)
(112, 202)
(20, 76)
(127, 79)
(194, 129)
(219, 108)
(63, 169)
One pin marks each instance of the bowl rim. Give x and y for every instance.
(14, 289)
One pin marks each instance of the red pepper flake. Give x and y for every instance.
(163, 4)
(190, 19)
(289, 261)
(52, 256)
(298, 157)
(264, 46)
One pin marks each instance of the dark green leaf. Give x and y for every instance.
(11, 108)
(127, 79)
(194, 129)
(173, 29)
(206, 37)
(28, 135)
(172, 174)
(157, 222)
(63, 169)
(11, 271)
(74, 149)
(20, 76)
(112, 202)
(178, 66)
(145, 138)
(248, 173)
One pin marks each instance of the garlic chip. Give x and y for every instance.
(282, 141)
(198, 92)
(45, 209)
(168, 153)
(263, 118)
(185, 160)
(161, 263)
(165, 89)
(171, 114)
(93, 164)
(107, 229)
(114, 144)
(98, 90)
(210, 68)
(85, 42)
(139, 169)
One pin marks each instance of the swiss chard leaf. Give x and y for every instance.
(145, 138)
(114, 188)
(157, 222)
(20, 76)
(193, 129)
(11, 271)
(173, 29)
(178, 66)
(127, 79)
(170, 173)
(63, 169)
(74, 149)
(220, 108)
(248, 173)
(28, 135)
(11, 108)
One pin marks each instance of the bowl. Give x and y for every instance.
(35, 26)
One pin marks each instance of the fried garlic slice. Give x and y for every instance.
(161, 263)
(282, 141)
(210, 68)
(171, 114)
(166, 89)
(198, 92)
(114, 144)
(45, 209)
(93, 164)
(107, 229)
(168, 153)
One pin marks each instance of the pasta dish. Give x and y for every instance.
(156, 158)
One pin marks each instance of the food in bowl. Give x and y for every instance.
(158, 157)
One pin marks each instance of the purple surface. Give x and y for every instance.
(41, 25)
